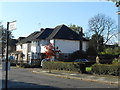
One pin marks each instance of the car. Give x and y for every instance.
(81, 60)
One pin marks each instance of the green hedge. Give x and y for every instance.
(25, 65)
(68, 66)
(106, 69)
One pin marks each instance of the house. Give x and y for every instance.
(67, 40)
(33, 46)
(12, 45)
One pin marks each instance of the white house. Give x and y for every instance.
(67, 40)
(33, 46)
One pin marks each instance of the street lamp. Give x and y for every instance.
(10, 26)
(118, 12)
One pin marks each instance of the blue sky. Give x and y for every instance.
(31, 16)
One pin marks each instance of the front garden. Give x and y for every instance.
(100, 69)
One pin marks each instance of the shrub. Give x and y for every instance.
(116, 60)
(106, 69)
(25, 65)
(68, 66)
(77, 55)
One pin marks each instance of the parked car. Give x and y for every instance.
(81, 60)
(45, 60)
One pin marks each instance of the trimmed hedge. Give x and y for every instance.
(68, 66)
(25, 65)
(106, 69)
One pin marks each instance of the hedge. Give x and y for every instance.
(68, 66)
(25, 65)
(106, 69)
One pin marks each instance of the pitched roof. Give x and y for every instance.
(13, 42)
(43, 34)
(29, 38)
(59, 32)
(64, 32)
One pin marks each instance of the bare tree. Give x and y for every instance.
(117, 2)
(104, 26)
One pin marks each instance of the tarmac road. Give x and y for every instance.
(22, 78)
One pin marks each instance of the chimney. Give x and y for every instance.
(41, 29)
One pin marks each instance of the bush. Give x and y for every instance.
(25, 65)
(116, 60)
(68, 66)
(77, 55)
(106, 69)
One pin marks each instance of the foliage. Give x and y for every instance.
(106, 69)
(51, 51)
(74, 28)
(80, 54)
(113, 51)
(25, 65)
(3, 32)
(116, 60)
(91, 51)
(68, 66)
(96, 44)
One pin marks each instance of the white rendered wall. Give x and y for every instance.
(18, 48)
(67, 46)
(85, 45)
(25, 51)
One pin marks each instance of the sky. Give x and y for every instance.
(31, 16)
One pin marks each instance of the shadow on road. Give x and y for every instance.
(13, 85)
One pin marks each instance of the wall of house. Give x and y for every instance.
(25, 51)
(37, 47)
(85, 45)
(42, 45)
(19, 47)
(69, 46)
(33, 46)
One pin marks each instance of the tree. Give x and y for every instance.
(74, 28)
(3, 32)
(103, 28)
(98, 47)
(50, 51)
(117, 2)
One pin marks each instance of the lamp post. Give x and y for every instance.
(6, 77)
(10, 26)
(118, 12)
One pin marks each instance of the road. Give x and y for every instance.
(22, 78)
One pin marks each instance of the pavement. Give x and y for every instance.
(114, 80)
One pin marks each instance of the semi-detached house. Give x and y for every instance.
(61, 36)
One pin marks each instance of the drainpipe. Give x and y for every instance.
(54, 48)
(80, 39)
